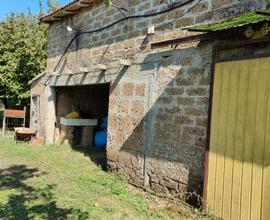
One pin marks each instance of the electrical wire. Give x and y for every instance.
(126, 18)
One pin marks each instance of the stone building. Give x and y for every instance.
(156, 99)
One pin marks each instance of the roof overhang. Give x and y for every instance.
(234, 22)
(222, 30)
(37, 77)
(66, 10)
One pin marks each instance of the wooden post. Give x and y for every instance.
(24, 109)
(4, 126)
(125, 62)
(101, 67)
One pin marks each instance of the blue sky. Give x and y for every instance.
(17, 6)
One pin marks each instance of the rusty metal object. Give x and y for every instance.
(24, 134)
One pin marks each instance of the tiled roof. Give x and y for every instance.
(66, 10)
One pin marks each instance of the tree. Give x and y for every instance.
(23, 54)
(53, 5)
(41, 12)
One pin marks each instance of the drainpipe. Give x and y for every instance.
(150, 125)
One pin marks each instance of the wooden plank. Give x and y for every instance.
(67, 12)
(10, 113)
(101, 66)
(233, 71)
(214, 137)
(222, 140)
(73, 7)
(124, 62)
(265, 200)
(239, 140)
(257, 171)
(249, 142)
(88, 1)
(239, 156)
(83, 4)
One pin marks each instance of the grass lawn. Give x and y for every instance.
(56, 182)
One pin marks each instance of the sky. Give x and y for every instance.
(17, 6)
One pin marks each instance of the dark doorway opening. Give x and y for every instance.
(80, 105)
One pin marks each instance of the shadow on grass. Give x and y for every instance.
(28, 202)
(97, 156)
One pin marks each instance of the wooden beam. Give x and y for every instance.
(189, 39)
(10, 113)
(88, 1)
(56, 18)
(83, 4)
(84, 70)
(101, 66)
(36, 77)
(68, 12)
(124, 62)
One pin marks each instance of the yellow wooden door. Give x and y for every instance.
(239, 153)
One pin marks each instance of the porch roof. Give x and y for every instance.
(234, 22)
(66, 10)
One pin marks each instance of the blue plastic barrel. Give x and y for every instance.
(101, 139)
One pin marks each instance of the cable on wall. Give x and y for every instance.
(176, 6)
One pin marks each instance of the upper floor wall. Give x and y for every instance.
(129, 37)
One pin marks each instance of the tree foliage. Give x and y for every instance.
(23, 54)
(41, 12)
(53, 5)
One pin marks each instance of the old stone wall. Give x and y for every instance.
(130, 37)
(38, 102)
(158, 119)
(158, 106)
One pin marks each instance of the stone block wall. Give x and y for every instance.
(127, 38)
(180, 122)
(158, 106)
(38, 101)
(158, 120)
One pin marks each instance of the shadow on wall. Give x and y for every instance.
(160, 136)
(41, 200)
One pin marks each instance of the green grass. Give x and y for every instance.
(56, 182)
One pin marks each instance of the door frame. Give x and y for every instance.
(215, 59)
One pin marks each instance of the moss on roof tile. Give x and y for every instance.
(242, 20)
